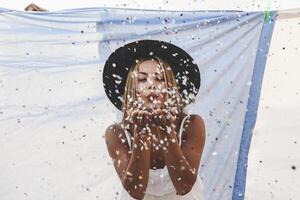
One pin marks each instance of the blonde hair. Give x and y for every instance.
(130, 97)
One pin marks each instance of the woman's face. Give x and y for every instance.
(151, 87)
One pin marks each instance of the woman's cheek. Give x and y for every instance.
(140, 88)
(141, 91)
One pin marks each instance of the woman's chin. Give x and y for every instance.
(152, 105)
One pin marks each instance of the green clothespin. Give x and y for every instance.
(267, 13)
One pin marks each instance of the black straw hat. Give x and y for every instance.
(122, 59)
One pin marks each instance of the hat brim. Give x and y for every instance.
(117, 66)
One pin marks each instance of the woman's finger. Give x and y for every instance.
(150, 110)
(140, 120)
(166, 114)
(144, 118)
(134, 116)
(150, 118)
(174, 110)
(155, 117)
(162, 118)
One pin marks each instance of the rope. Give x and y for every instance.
(267, 13)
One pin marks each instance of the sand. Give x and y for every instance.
(274, 160)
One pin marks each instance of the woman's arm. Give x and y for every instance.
(135, 180)
(183, 162)
(132, 167)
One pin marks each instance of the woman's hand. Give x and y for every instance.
(142, 120)
(165, 123)
(165, 119)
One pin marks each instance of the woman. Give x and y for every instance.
(154, 156)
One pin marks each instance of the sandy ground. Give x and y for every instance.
(274, 160)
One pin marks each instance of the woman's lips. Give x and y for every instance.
(154, 96)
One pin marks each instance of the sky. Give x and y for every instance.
(55, 5)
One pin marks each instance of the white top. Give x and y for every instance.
(160, 186)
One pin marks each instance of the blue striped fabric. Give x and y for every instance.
(54, 110)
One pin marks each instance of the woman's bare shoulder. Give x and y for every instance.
(114, 130)
(196, 117)
(115, 127)
(196, 122)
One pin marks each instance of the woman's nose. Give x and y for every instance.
(152, 85)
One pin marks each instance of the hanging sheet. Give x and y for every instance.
(54, 110)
